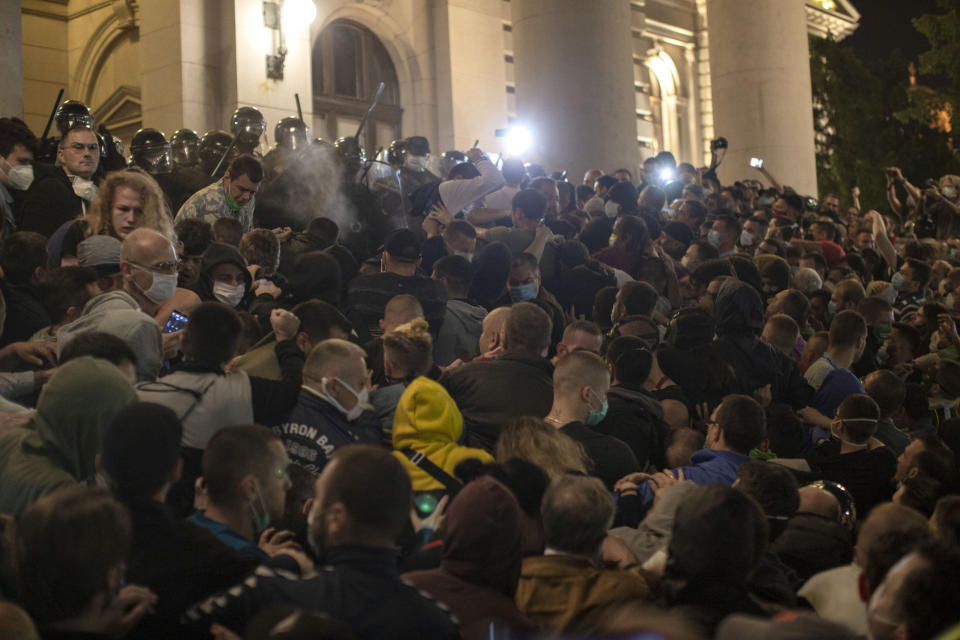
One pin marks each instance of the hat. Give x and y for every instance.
(624, 194)
(417, 146)
(100, 252)
(404, 245)
(679, 232)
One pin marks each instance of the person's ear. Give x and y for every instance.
(303, 342)
(561, 350)
(913, 472)
(335, 518)
(38, 275)
(248, 486)
(380, 324)
(306, 506)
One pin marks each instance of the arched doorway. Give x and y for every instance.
(348, 64)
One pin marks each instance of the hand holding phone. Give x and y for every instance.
(176, 322)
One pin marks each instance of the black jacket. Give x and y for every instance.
(49, 202)
(358, 585)
(636, 418)
(368, 295)
(489, 394)
(739, 316)
(25, 314)
(178, 561)
(612, 458)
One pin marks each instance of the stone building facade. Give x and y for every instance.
(594, 81)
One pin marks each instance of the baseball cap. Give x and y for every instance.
(404, 245)
(100, 252)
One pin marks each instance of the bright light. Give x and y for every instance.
(518, 140)
(666, 174)
(299, 12)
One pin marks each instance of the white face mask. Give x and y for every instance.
(84, 188)
(416, 162)
(163, 286)
(746, 238)
(229, 294)
(20, 177)
(464, 254)
(611, 209)
(948, 192)
(363, 399)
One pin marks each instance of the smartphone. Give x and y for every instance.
(176, 322)
(756, 162)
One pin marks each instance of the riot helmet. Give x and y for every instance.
(185, 147)
(150, 151)
(291, 133)
(395, 153)
(72, 113)
(349, 148)
(247, 124)
(213, 146)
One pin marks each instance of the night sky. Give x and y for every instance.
(885, 26)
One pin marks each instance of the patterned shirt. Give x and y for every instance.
(210, 203)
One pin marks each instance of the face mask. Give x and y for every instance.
(713, 237)
(831, 309)
(897, 281)
(764, 201)
(464, 254)
(162, 289)
(20, 177)
(611, 209)
(362, 397)
(84, 188)
(258, 509)
(416, 162)
(746, 238)
(229, 294)
(948, 192)
(524, 292)
(231, 202)
(596, 416)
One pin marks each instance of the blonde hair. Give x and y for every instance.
(155, 213)
(409, 348)
(533, 440)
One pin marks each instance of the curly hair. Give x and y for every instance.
(535, 441)
(155, 213)
(409, 348)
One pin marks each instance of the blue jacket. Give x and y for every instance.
(316, 428)
(707, 466)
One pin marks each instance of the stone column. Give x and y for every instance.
(574, 77)
(760, 76)
(11, 52)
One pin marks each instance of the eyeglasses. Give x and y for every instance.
(165, 268)
(79, 146)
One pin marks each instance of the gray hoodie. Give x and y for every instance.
(458, 336)
(117, 313)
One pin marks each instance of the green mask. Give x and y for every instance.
(231, 202)
(880, 332)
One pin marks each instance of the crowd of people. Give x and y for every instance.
(645, 405)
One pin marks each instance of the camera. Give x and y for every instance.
(718, 143)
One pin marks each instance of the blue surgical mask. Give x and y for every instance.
(713, 237)
(764, 201)
(596, 416)
(523, 292)
(897, 281)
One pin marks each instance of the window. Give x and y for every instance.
(349, 62)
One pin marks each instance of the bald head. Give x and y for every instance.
(581, 369)
(886, 519)
(820, 502)
(400, 310)
(146, 247)
(334, 359)
(493, 328)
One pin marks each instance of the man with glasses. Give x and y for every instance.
(60, 194)
(148, 266)
(230, 197)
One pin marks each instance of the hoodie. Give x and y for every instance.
(117, 313)
(739, 315)
(462, 326)
(216, 254)
(427, 420)
(482, 554)
(57, 448)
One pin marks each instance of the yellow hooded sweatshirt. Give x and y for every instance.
(427, 420)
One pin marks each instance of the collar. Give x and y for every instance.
(200, 367)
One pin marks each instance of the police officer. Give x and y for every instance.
(247, 125)
(214, 146)
(185, 148)
(291, 135)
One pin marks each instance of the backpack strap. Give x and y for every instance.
(424, 463)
